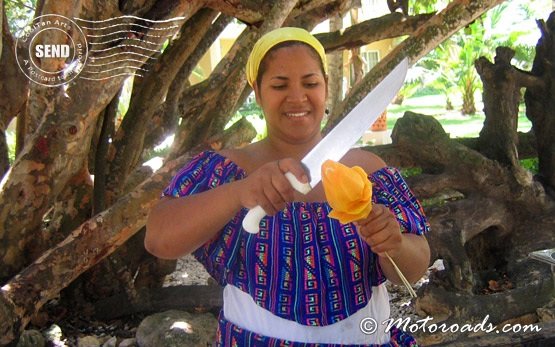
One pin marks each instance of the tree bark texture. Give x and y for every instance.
(26, 293)
(502, 84)
(51, 156)
(92, 241)
(13, 88)
(117, 272)
(335, 69)
(106, 131)
(1, 24)
(540, 103)
(389, 26)
(127, 149)
(391, 154)
(249, 12)
(356, 64)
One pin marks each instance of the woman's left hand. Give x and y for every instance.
(381, 231)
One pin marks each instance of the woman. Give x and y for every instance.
(304, 279)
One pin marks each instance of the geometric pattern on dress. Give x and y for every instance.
(302, 265)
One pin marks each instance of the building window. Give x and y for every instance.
(371, 58)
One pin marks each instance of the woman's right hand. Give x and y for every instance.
(268, 187)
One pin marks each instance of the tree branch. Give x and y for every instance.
(207, 119)
(434, 31)
(391, 154)
(498, 137)
(167, 116)
(303, 8)
(13, 84)
(129, 139)
(252, 12)
(247, 11)
(94, 240)
(389, 26)
(107, 129)
(540, 108)
(53, 155)
(426, 186)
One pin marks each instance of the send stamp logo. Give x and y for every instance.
(53, 49)
(56, 50)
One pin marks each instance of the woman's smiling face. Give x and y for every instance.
(292, 93)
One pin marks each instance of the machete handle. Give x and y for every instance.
(251, 222)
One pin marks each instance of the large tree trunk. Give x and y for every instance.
(356, 63)
(389, 26)
(540, 103)
(335, 68)
(53, 154)
(485, 219)
(117, 272)
(502, 85)
(97, 238)
(13, 88)
(40, 173)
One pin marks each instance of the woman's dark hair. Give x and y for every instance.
(262, 67)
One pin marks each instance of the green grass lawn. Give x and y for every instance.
(454, 122)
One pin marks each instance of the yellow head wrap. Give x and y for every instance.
(269, 40)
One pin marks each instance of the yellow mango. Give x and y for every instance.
(348, 191)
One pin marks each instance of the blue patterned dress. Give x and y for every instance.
(302, 265)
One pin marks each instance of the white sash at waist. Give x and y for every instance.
(240, 309)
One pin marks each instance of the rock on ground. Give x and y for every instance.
(31, 338)
(177, 328)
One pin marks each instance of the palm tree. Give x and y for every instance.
(450, 66)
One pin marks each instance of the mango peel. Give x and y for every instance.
(348, 191)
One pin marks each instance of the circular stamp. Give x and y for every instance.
(55, 50)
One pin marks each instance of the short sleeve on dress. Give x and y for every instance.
(391, 190)
(205, 171)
